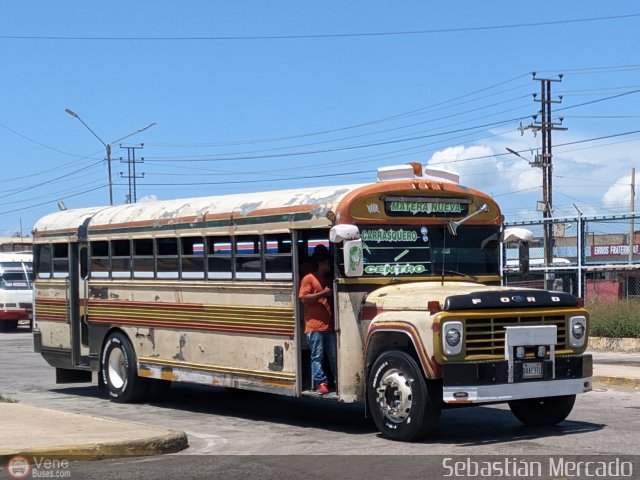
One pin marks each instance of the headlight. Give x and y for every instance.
(452, 338)
(577, 331)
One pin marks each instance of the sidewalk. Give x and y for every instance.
(616, 368)
(34, 431)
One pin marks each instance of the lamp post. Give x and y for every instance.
(107, 146)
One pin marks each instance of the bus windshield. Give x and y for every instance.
(408, 250)
(15, 276)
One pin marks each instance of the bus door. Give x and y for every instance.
(77, 291)
(307, 241)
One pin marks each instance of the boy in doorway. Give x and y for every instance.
(316, 296)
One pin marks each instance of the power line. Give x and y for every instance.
(259, 154)
(276, 149)
(598, 100)
(263, 180)
(45, 203)
(51, 195)
(429, 108)
(66, 175)
(327, 35)
(345, 148)
(15, 132)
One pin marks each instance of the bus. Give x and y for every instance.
(16, 289)
(205, 290)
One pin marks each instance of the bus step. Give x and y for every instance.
(314, 394)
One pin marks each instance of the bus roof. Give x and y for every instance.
(309, 203)
(260, 212)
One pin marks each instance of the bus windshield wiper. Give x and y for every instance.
(444, 272)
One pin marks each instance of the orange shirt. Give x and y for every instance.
(317, 315)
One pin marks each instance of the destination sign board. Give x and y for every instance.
(425, 207)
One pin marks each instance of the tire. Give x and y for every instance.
(403, 405)
(540, 412)
(118, 368)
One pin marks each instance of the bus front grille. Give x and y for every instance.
(485, 336)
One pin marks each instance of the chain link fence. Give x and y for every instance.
(596, 258)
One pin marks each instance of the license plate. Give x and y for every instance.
(532, 370)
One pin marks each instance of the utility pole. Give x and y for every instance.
(132, 176)
(545, 160)
(633, 212)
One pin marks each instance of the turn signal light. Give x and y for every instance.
(433, 306)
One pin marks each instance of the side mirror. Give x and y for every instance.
(342, 232)
(353, 258)
(523, 257)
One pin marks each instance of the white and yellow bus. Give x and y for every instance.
(205, 290)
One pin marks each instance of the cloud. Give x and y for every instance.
(618, 194)
(480, 173)
(592, 176)
(148, 198)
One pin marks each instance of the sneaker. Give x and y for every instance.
(323, 389)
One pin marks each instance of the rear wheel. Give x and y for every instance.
(538, 412)
(404, 406)
(119, 370)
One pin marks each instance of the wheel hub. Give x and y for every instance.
(117, 368)
(394, 395)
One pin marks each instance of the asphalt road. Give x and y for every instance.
(224, 423)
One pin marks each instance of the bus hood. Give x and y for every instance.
(453, 295)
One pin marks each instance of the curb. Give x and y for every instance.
(172, 442)
(616, 381)
(614, 344)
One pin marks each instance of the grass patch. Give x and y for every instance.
(4, 399)
(615, 318)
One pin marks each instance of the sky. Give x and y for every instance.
(253, 96)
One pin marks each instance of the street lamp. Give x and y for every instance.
(107, 146)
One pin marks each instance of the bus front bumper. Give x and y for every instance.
(488, 381)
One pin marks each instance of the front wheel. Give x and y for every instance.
(119, 370)
(404, 406)
(539, 412)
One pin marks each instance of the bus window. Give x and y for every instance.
(143, 262)
(219, 257)
(192, 258)
(248, 262)
(43, 260)
(167, 260)
(277, 257)
(121, 259)
(99, 259)
(472, 251)
(60, 260)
